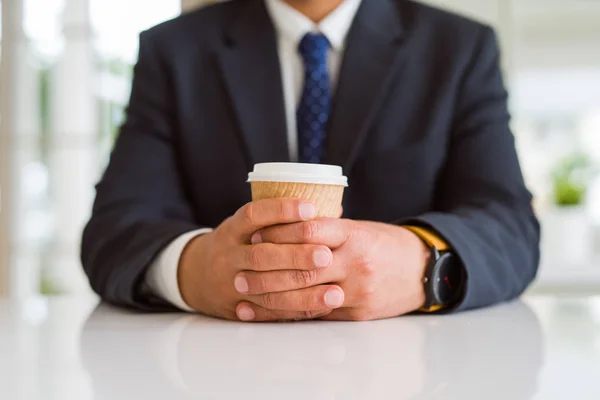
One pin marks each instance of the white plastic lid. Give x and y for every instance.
(317, 174)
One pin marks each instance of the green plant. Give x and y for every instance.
(570, 180)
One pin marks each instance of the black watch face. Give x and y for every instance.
(448, 278)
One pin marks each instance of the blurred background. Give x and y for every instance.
(65, 76)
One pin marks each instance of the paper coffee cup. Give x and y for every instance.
(322, 185)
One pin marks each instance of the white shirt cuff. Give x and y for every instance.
(161, 277)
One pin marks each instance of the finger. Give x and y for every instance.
(262, 213)
(273, 257)
(329, 232)
(252, 282)
(252, 313)
(309, 299)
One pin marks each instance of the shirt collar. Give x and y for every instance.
(294, 25)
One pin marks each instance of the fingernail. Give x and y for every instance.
(241, 284)
(334, 298)
(321, 258)
(245, 313)
(256, 238)
(307, 211)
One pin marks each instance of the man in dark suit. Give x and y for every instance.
(407, 98)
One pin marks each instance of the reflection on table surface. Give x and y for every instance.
(542, 348)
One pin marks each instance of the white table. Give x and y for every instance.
(67, 348)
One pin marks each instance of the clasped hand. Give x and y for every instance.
(274, 261)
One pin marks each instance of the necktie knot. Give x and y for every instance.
(313, 48)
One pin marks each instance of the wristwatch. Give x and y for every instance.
(445, 276)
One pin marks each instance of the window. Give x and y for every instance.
(75, 65)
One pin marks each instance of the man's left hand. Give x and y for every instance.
(380, 268)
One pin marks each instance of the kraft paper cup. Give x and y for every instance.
(322, 185)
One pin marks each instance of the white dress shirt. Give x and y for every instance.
(290, 26)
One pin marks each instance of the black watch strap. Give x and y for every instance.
(444, 277)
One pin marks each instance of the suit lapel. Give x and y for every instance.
(373, 55)
(250, 66)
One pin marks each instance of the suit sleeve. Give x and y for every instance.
(141, 204)
(482, 207)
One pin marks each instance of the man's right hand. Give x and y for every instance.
(213, 265)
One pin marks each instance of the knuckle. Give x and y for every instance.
(257, 282)
(285, 209)
(268, 300)
(267, 316)
(366, 291)
(254, 256)
(309, 230)
(299, 316)
(297, 279)
(367, 303)
(310, 277)
(226, 225)
(365, 265)
(297, 257)
(247, 213)
(308, 302)
(310, 314)
(303, 279)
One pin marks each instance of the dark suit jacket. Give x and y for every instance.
(420, 125)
